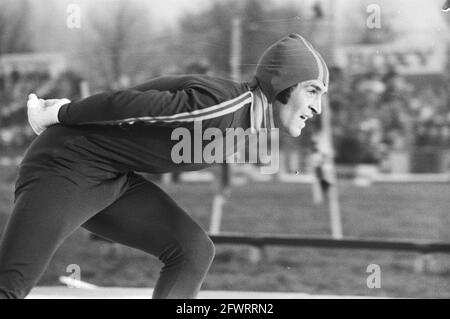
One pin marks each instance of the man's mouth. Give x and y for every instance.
(304, 118)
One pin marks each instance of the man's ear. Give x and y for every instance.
(276, 107)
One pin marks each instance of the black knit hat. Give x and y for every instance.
(289, 61)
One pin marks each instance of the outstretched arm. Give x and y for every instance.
(116, 107)
(111, 107)
(161, 101)
(165, 101)
(129, 106)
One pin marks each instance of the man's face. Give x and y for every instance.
(304, 103)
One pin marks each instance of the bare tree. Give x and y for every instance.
(14, 26)
(118, 39)
(207, 34)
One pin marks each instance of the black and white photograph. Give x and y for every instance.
(238, 152)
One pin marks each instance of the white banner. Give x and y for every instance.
(406, 57)
(53, 63)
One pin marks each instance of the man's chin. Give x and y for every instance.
(295, 132)
(291, 132)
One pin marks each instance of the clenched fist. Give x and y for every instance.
(43, 113)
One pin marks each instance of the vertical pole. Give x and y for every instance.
(219, 200)
(216, 214)
(330, 170)
(224, 184)
(255, 253)
(84, 89)
(333, 194)
(236, 48)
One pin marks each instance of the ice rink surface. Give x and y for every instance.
(61, 292)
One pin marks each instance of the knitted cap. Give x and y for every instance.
(287, 62)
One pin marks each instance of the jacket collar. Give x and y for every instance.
(261, 112)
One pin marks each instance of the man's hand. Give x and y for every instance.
(43, 113)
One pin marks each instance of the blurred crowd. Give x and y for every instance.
(376, 114)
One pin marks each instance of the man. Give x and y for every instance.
(79, 172)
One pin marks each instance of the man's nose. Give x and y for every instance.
(317, 108)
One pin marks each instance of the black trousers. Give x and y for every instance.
(53, 199)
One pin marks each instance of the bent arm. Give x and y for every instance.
(129, 106)
(163, 101)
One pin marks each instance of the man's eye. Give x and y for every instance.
(312, 92)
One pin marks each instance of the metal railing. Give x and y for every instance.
(259, 241)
